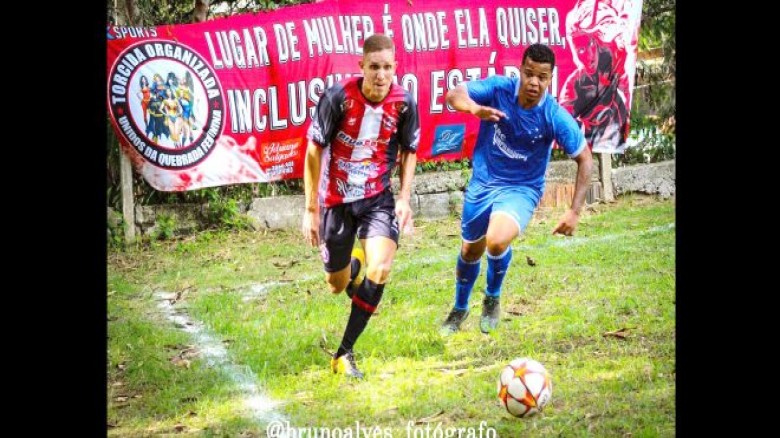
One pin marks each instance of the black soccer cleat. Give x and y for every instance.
(453, 321)
(491, 311)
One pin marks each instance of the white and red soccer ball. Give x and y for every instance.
(524, 387)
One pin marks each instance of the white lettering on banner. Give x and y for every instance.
(277, 152)
(248, 49)
(185, 56)
(424, 31)
(121, 32)
(515, 26)
(329, 38)
(387, 19)
(456, 76)
(131, 135)
(463, 24)
(247, 115)
(286, 42)
(278, 170)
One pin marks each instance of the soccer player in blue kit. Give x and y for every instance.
(520, 120)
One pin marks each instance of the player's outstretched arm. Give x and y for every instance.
(459, 99)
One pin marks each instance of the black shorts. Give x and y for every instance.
(365, 218)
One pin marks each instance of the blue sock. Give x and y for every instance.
(496, 270)
(465, 276)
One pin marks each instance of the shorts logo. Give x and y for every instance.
(448, 138)
(167, 103)
(324, 253)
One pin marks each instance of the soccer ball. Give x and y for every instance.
(524, 387)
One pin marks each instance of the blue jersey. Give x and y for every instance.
(515, 150)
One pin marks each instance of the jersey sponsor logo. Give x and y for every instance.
(351, 192)
(361, 169)
(499, 140)
(354, 142)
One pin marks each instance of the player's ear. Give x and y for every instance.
(360, 63)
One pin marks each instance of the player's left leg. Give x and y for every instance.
(512, 210)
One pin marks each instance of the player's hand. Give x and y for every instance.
(568, 223)
(403, 212)
(488, 113)
(311, 227)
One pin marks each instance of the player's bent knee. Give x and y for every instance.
(497, 248)
(378, 273)
(337, 282)
(471, 253)
(337, 288)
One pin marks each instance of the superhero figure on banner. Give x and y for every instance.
(601, 37)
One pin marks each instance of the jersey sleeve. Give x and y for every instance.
(482, 91)
(567, 133)
(326, 116)
(409, 131)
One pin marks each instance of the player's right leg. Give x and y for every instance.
(337, 237)
(474, 223)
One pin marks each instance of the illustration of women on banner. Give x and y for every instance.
(602, 35)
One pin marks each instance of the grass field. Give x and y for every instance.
(218, 334)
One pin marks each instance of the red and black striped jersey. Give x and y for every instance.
(362, 139)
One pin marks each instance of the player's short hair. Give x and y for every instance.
(378, 42)
(541, 54)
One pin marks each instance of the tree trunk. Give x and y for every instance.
(133, 14)
(605, 166)
(201, 11)
(125, 168)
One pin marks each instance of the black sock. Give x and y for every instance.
(354, 271)
(363, 306)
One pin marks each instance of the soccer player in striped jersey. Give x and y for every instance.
(360, 126)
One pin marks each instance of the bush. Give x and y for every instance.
(165, 225)
(649, 143)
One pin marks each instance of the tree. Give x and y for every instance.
(657, 30)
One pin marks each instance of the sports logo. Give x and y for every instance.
(448, 138)
(167, 103)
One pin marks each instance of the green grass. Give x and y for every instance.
(618, 271)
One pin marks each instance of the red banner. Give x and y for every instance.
(229, 101)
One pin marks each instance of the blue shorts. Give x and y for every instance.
(481, 203)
